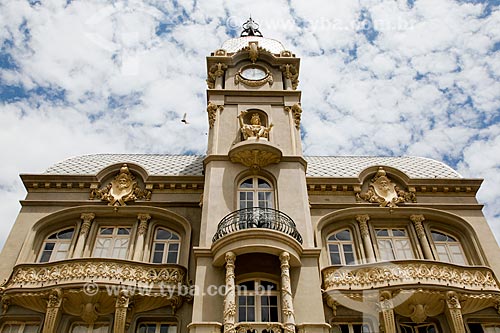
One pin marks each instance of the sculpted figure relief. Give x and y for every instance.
(255, 129)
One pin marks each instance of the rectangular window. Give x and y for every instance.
(18, 327)
(394, 244)
(157, 328)
(112, 242)
(246, 308)
(351, 328)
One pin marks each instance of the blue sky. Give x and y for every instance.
(379, 77)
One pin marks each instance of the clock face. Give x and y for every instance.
(253, 73)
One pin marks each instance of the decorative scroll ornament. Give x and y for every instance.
(215, 71)
(290, 72)
(253, 51)
(255, 129)
(385, 192)
(296, 110)
(212, 113)
(122, 189)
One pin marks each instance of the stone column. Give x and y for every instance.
(230, 297)
(286, 294)
(387, 312)
(53, 311)
(121, 309)
(454, 313)
(422, 237)
(141, 234)
(87, 219)
(367, 242)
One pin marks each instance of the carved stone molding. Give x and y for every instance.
(143, 223)
(229, 314)
(255, 158)
(97, 271)
(417, 222)
(290, 72)
(363, 225)
(296, 111)
(383, 191)
(212, 113)
(215, 71)
(379, 275)
(123, 188)
(87, 219)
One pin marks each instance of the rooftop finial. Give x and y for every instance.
(250, 28)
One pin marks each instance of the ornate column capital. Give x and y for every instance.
(417, 222)
(284, 258)
(87, 219)
(143, 223)
(230, 258)
(454, 312)
(387, 312)
(363, 225)
(53, 311)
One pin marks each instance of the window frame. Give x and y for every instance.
(255, 190)
(415, 326)
(71, 242)
(167, 247)
(257, 294)
(457, 242)
(157, 324)
(350, 325)
(131, 239)
(409, 236)
(23, 325)
(341, 244)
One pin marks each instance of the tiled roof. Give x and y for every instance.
(192, 165)
(235, 44)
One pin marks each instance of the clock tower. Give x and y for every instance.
(256, 222)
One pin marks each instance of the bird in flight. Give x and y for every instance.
(184, 119)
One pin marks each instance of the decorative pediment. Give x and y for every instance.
(122, 189)
(384, 191)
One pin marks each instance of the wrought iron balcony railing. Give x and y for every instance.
(265, 218)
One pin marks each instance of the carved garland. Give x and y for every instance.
(212, 113)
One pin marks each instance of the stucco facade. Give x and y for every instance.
(253, 237)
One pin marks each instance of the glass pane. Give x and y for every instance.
(344, 235)
(335, 257)
(382, 232)
(100, 328)
(442, 253)
(79, 329)
(399, 232)
(174, 236)
(123, 231)
(172, 258)
(159, 246)
(31, 329)
(385, 248)
(106, 231)
(49, 246)
(45, 256)
(65, 234)
(247, 183)
(251, 313)
(274, 313)
(248, 285)
(262, 183)
(163, 234)
(439, 237)
(157, 257)
(266, 285)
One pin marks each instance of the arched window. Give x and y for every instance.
(258, 301)
(341, 248)
(255, 192)
(448, 249)
(394, 244)
(112, 242)
(165, 247)
(56, 246)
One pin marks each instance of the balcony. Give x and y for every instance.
(99, 271)
(407, 273)
(251, 218)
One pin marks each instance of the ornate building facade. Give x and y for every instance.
(254, 237)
